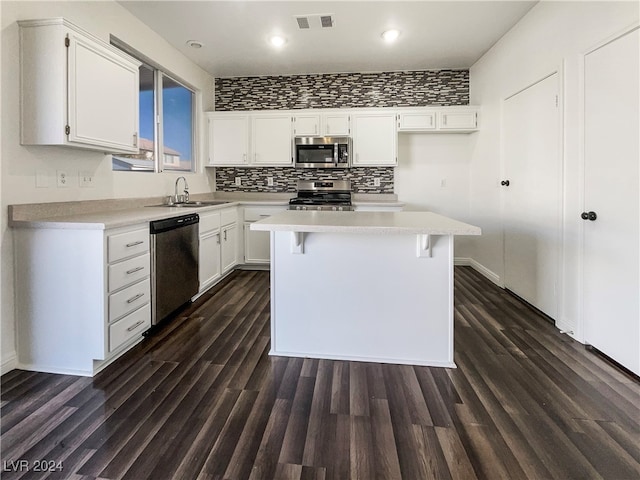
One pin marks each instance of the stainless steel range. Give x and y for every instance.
(332, 195)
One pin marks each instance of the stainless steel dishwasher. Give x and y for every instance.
(174, 264)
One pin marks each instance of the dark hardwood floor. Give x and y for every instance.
(201, 399)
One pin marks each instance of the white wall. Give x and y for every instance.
(19, 164)
(551, 37)
(433, 174)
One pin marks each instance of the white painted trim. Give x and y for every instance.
(9, 363)
(47, 369)
(481, 269)
(355, 358)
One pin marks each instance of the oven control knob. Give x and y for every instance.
(334, 208)
(298, 207)
(319, 208)
(340, 209)
(304, 208)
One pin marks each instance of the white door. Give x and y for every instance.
(611, 241)
(532, 207)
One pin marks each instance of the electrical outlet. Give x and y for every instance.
(62, 178)
(85, 179)
(238, 181)
(376, 182)
(270, 181)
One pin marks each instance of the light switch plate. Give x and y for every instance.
(376, 182)
(85, 179)
(238, 181)
(270, 181)
(42, 179)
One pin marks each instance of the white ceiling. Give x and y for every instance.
(434, 34)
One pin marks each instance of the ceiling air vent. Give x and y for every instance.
(315, 21)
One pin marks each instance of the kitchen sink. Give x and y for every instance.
(206, 203)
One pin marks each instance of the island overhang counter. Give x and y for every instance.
(363, 286)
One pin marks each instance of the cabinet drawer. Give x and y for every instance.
(128, 271)
(209, 222)
(252, 214)
(123, 245)
(129, 299)
(228, 215)
(129, 327)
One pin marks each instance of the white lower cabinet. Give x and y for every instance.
(85, 298)
(209, 254)
(229, 247)
(257, 245)
(218, 245)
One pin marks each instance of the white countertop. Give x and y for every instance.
(53, 216)
(365, 222)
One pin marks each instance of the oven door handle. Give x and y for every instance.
(335, 154)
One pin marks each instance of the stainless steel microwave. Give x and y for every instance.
(322, 152)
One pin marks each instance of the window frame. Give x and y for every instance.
(159, 72)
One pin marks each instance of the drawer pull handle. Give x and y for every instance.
(135, 325)
(133, 244)
(135, 297)
(134, 270)
(264, 215)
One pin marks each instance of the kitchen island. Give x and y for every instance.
(363, 286)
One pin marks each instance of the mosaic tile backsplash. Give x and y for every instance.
(343, 90)
(284, 178)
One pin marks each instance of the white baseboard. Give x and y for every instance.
(9, 363)
(478, 267)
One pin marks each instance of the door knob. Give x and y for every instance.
(504, 183)
(589, 216)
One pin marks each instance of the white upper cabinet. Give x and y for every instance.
(337, 124)
(416, 121)
(457, 120)
(439, 120)
(76, 90)
(271, 134)
(306, 125)
(228, 139)
(374, 139)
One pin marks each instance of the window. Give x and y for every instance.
(169, 142)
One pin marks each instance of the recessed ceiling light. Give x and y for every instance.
(195, 44)
(277, 40)
(390, 36)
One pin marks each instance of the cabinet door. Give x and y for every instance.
(229, 245)
(374, 139)
(103, 97)
(272, 140)
(306, 125)
(209, 266)
(257, 246)
(228, 140)
(336, 124)
(416, 121)
(457, 120)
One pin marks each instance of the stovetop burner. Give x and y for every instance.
(333, 195)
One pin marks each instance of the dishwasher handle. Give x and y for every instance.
(159, 226)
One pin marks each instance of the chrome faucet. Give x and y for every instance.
(186, 190)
